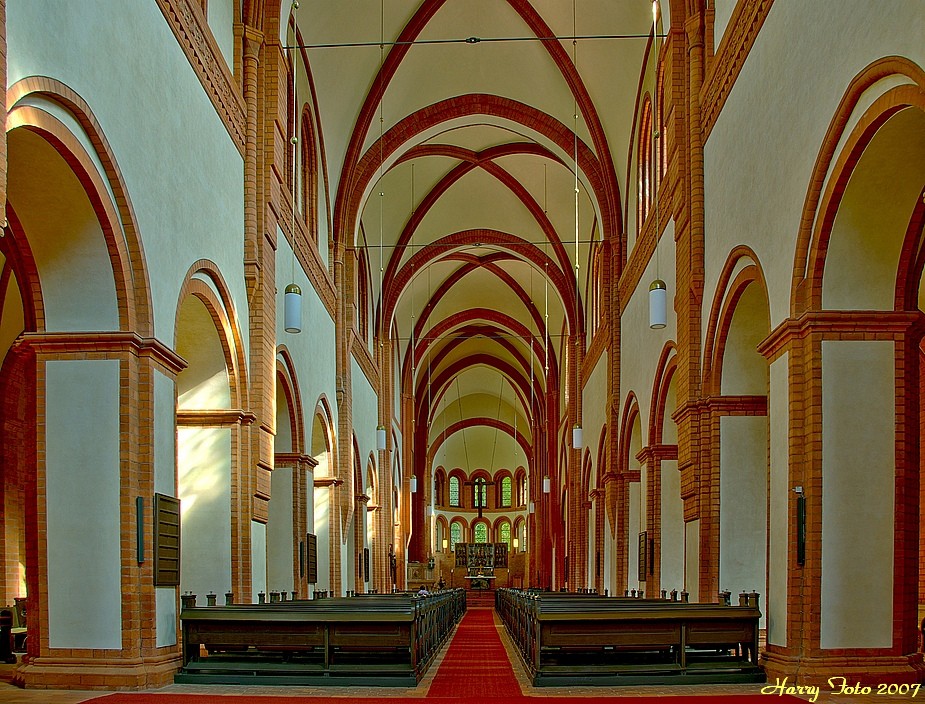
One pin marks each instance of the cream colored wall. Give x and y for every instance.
(775, 602)
(165, 482)
(722, 13)
(743, 504)
(692, 559)
(322, 503)
(259, 566)
(365, 415)
(858, 476)
(183, 174)
(279, 545)
(221, 22)
(11, 313)
(594, 410)
(313, 349)
(82, 501)
(205, 482)
(672, 529)
(771, 127)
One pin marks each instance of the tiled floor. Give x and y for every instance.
(13, 695)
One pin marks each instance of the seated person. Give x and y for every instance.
(423, 591)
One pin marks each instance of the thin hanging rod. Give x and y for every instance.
(472, 40)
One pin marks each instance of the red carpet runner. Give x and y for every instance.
(475, 669)
(476, 664)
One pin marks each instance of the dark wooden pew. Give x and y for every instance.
(579, 639)
(374, 640)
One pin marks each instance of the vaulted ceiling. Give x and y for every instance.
(454, 135)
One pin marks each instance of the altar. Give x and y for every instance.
(480, 561)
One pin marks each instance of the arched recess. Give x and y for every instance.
(372, 505)
(629, 499)
(587, 524)
(443, 533)
(666, 509)
(355, 533)
(857, 300)
(71, 261)
(734, 541)
(290, 514)
(603, 538)
(325, 509)
(212, 436)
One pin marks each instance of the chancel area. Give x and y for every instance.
(326, 326)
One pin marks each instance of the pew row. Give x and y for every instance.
(594, 640)
(381, 640)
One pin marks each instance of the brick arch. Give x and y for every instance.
(824, 193)
(726, 297)
(218, 300)
(628, 417)
(667, 366)
(19, 264)
(116, 217)
(286, 373)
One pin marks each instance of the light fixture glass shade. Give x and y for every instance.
(546, 485)
(380, 437)
(532, 507)
(414, 484)
(658, 304)
(429, 511)
(446, 544)
(293, 309)
(577, 440)
(516, 543)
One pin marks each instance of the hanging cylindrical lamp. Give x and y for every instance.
(532, 507)
(546, 485)
(577, 440)
(658, 304)
(414, 484)
(429, 511)
(293, 308)
(380, 437)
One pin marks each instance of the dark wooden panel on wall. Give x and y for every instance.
(166, 541)
(311, 557)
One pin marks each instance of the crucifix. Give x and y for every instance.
(480, 493)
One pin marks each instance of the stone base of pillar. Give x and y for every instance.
(837, 673)
(101, 673)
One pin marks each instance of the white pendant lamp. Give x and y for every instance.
(546, 485)
(577, 439)
(658, 304)
(414, 484)
(380, 437)
(293, 309)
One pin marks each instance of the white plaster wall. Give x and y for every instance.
(188, 202)
(692, 559)
(722, 13)
(632, 538)
(204, 471)
(672, 540)
(594, 409)
(642, 346)
(313, 349)
(858, 479)
(772, 129)
(165, 603)
(258, 562)
(591, 575)
(365, 414)
(165, 482)
(82, 504)
(323, 531)
(743, 503)
(221, 22)
(279, 546)
(775, 603)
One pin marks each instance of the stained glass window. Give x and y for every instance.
(481, 533)
(506, 491)
(454, 491)
(455, 533)
(504, 533)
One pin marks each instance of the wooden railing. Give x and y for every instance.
(381, 639)
(574, 639)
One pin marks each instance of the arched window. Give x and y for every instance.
(481, 533)
(455, 534)
(644, 164)
(506, 492)
(440, 488)
(480, 494)
(454, 491)
(523, 537)
(521, 490)
(504, 533)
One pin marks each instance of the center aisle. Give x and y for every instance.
(476, 664)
